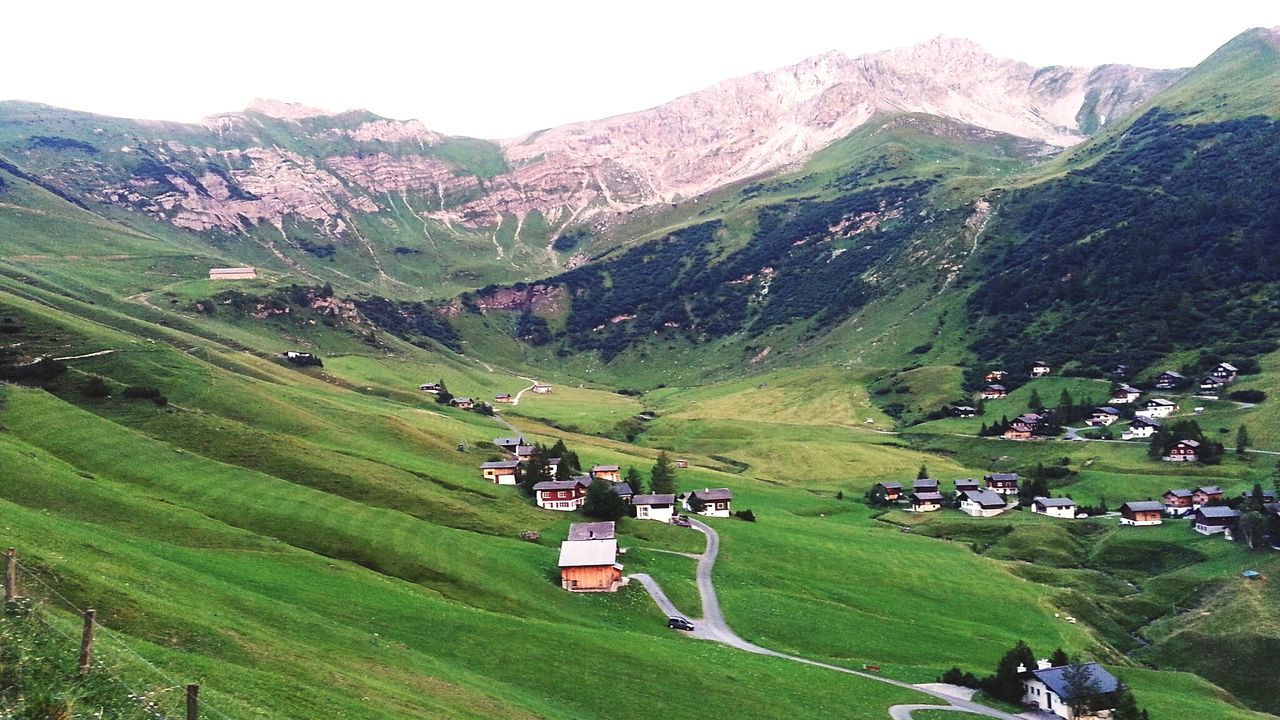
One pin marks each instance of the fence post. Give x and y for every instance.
(86, 641)
(11, 575)
(193, 702)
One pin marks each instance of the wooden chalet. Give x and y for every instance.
(464, 403)
(1125, 395)
(1178, 502)
(1040, 369)
(1214, 519)
(713, 502)
(892, 490)
(1142, 512)
(1020, 430)
(590, 566)
(1206, 495)
(1211, 384)
(1183, 451)
(504, 398)
(1001, 483)
(924, 485)
(510, 443)
(1141, 428)
(967, 484)
(1225, 371)
(565, 495)
(608, 473)
(994, 376)
(1054, 507)
(433, 388)
(654, 507)
(1168, 380)
(993, 392)
(501, 472)
(981, 503)
(1103, 416)
(624, 490)
(963, 411)
(926, 501)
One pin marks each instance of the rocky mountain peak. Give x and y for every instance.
(282, 110)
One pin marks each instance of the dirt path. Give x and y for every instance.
(100, 353)
(712, 626)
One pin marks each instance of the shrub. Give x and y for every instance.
(146, 392)
(745, 515)
(1247, 396)
(95, 388)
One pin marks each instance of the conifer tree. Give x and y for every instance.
(662, 478)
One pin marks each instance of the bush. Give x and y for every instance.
(955, 676)
(1247, 396)
(95, 388)
(745, 515)
(146, 392)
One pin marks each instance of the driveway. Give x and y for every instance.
(712, 626)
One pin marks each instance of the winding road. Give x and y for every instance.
(712, 626)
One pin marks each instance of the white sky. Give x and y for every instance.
(495, 69)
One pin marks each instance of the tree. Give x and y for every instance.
(444, 397)
(1034, 402)
(1081, 688)
(1059, 658)
(1242, 440)
(1006, 683)
(877, 497)
(1253, 529)
(95, 388)
(981, 407)
(922, 473)
(1066, 406)
(602, 502)
(535, 471)
(1125, 705)
(662, 478)
(634, 479)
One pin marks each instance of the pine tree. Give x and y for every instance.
(662, 478)
(634, 479)
(923, 473)
(1059, 658)
(1066, 407)
(444, 397)
(1034, 402)
(981, 407)
(602, 502)
(1081, 688)
(1242, 440)
(1006, 684)
(535, 471)
(1126, 705)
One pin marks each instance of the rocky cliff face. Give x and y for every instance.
(284, 165)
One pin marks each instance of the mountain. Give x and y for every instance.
(353, 198)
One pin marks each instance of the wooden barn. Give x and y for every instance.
(590, 566)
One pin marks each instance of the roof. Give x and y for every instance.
(457, 400)
(713, 494)
(586, 553)
(1161, 401)
(509, 441)
(500, 465)
(1106, 409)
(964, 408)
(890, 485)
(924, 482)
(653, 500)
(605, 468)
(622, 488)
(985, 498)
(996, 387)
(1001, 477)
(1179, 492)
(967, 481)
(1055, 502)
(524, 450)
(1228, 366)
(1171, 373)
(1149, 422)
(1143, 506)
(592, 531)
(1188, 443)
(1210, 490)
(926, 497)
(1216, 511)
(502, 395)
(1211, 380)
(1056, 679)
(558, 484)
(236, 270)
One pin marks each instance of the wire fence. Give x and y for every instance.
(156, 694)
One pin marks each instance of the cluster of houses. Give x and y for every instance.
(589, 559)
(983, 499)
(1222, 375)
(467, 403)
(569, 495)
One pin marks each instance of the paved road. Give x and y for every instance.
(712, 626)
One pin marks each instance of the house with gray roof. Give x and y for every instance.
(592, 531)
(654, 507)
(712, 502)
(1053, 689)
(1214, 519)
(981, 503)
(1054, 507)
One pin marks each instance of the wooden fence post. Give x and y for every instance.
(86, 641)
(193, 702)
(11, 575)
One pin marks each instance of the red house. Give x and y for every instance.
(1178, 502)
(1206, 495)
(563, 495)
(892, 490)
(1183, 451)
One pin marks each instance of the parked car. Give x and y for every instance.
(679, 623)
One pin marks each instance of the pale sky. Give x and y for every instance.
(496, 69)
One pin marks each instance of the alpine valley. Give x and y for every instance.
(802, 286)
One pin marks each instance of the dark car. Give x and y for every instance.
(679, 623)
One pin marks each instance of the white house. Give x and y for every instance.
(1141, 428)
(541, 388)
(1054, 507)
(714, 502)
(1125, 394)
(926, 501)
(654, 507)
(981, 503)
(1040, 369)
(1103, 416)
(1049, 688)
(501, 472)
(1156, 408)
